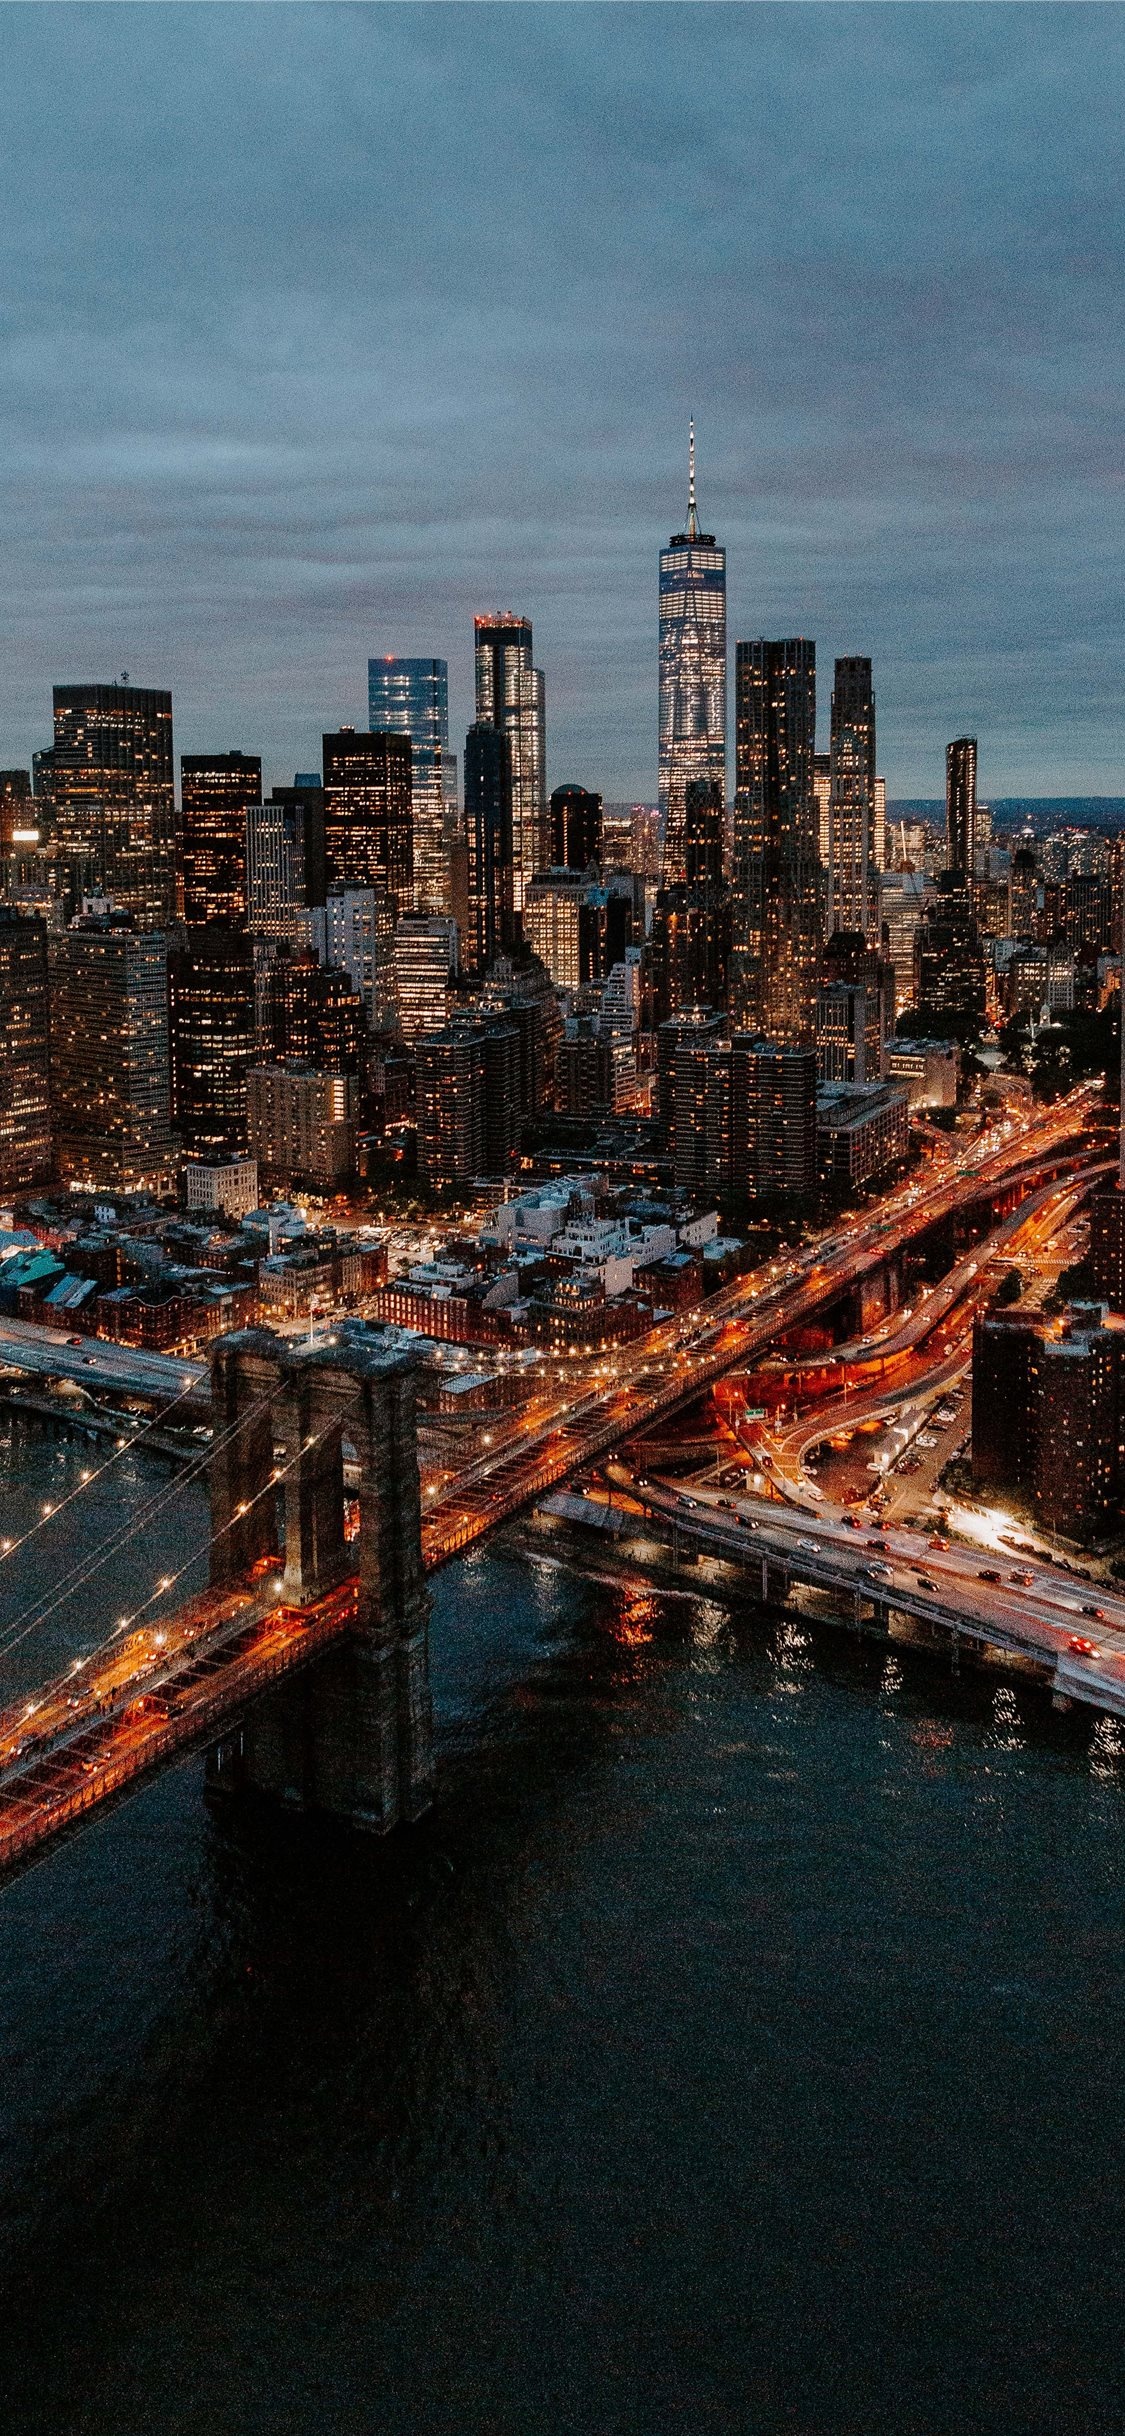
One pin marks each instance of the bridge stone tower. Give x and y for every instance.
(351, 1734)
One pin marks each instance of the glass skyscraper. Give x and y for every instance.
(510, 696)
(411, 698)
(693, 672)
(852, 870)
(778, 916)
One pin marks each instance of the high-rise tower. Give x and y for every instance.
(510, 696)
(961, 805)
(110, 782)
(778, 915)
(411, 698)
(218, 792)
(693, 671)
(852, 876)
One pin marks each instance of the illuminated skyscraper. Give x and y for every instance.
(490, 826)
(411, 698)
(510, 696)
(25, 1099)
(109, 779)
(367, 822)
(109, 1056)
(852, 900)
(778, 915)
(285, 858)
(211, 1036)
(217, 792)
(961, 804)
(693, 671)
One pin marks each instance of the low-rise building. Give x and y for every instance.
(930, 1070)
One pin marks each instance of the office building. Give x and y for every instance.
(211, 1037)
(905, 897)
(961, 825)
(218, 791)
(468, 1110)
(302, 1126)
(312, 1014)
(367, 814)
(556, 925)
(110, 785)
(110, 1079)
(576, 829)
(354, 932)
(411, 698)
(285, 858)
(693, 673)
(25, 1092)
(18, 822)
(778, 914)
(229, 1185)
(862, 1130)
(510, 698)
(424, 968)
(949, 970)
(490, 828)
(851, 881)
(930, 1070)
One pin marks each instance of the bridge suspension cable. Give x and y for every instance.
(127, 1446)
(36, 1615)
(63, 1589)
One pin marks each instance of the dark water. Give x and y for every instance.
(738, 2047)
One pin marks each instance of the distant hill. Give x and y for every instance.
(1039, 812)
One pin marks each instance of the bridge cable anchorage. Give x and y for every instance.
(60, 1591)
(168, 1581)
(11, 1547)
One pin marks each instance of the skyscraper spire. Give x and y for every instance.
(692, 518)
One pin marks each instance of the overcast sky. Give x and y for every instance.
(321, 328)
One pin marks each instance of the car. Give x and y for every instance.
(936, 1540)
(853, 1522)
(1080, 1647)
(74, 1340)
(1091, 1610)
(989, 1573)
(925, 1581)
(726, 1505)
(883, 1546)
(810, 1545)
(1023, 1581)
(879, 1573)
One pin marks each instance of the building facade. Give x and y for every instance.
(25, 1088)
(411, 698)
(109, 779)
(218, 791)
(110, 1077)
(510, 697)
(693, 672)
(777, 906)
(368, 833)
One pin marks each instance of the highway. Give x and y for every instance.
(96, 1362)
(1074, 1629)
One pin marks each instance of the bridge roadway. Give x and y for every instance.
(1036, 1612)
(129, 1707)
(96, 1362)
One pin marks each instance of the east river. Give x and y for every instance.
(739, 2046)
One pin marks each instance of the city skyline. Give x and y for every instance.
(302, 421)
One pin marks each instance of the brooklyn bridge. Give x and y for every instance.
(302, 1669)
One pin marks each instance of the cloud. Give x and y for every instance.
(322, 328)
